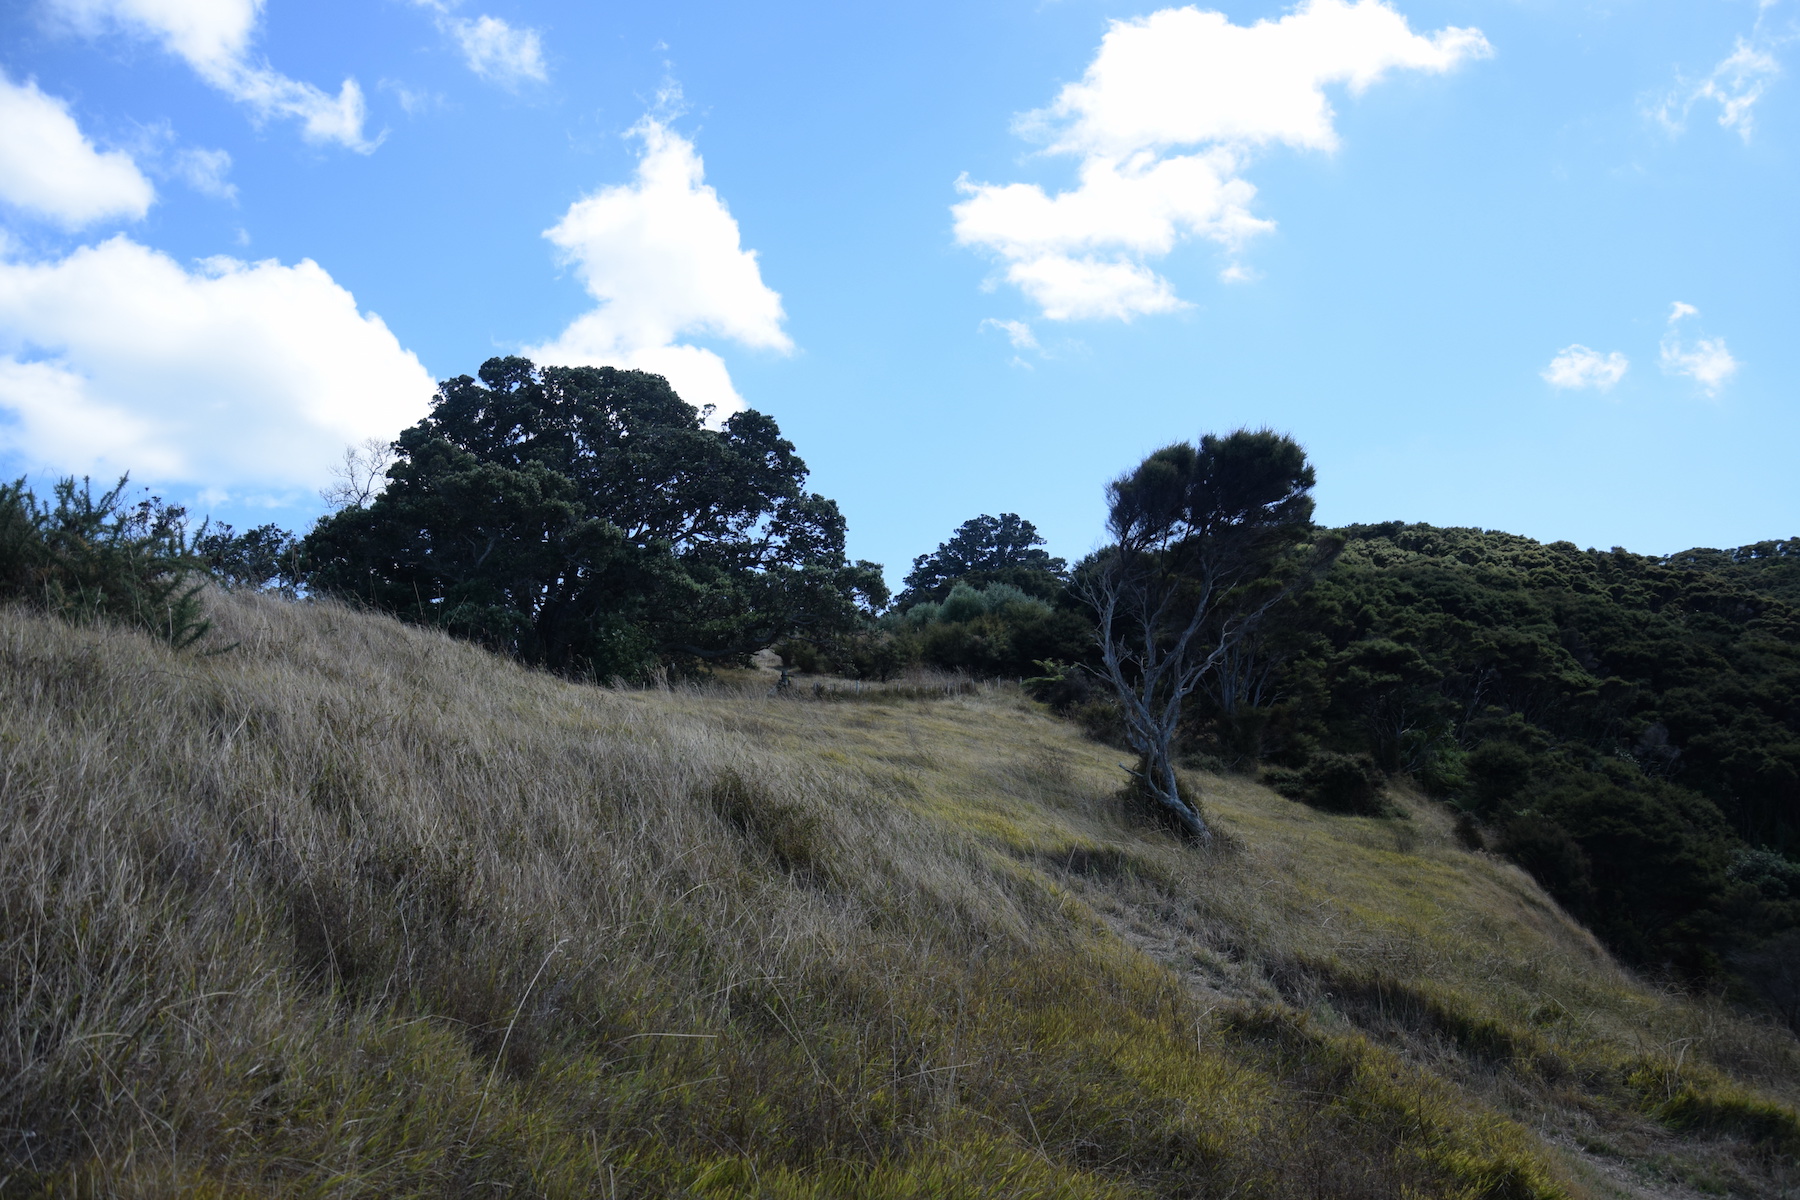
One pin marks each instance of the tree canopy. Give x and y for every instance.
(983, 550)
(1624, 726)
(587, 519)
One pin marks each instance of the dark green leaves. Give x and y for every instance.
(86, 556)
(986, 550)
(586, 519)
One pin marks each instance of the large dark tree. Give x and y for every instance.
(1200, 536)
(586, 519)
(984, 550)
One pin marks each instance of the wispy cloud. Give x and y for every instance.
(1706, 361)
(496, 51)
(215, 39)
(1735, 85)
(1181, 79)
(205, 171)
(1017, 332)
(1576, 367)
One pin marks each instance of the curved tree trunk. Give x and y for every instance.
(1155, 773)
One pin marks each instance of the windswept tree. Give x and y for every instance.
(585, 519)
(983, 550)
(1205, 542)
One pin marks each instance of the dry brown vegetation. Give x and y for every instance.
(352, 909)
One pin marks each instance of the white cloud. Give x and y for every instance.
(1017, 332)
(1707, 362)
(49, 169)
(205, 172)
(214, 38)
(1735, 84)
(499, 53)
(1182, 78)
(245, 376)
(1579, 367)
(664, 257)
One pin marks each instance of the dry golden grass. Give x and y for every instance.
(353, 909)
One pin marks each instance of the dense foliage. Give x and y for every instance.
(1771, 567)
(1004, 549)
(995, 631)
(989, 601)
(262, 558)
(586, 519)
(1626, 727)
(85, 556)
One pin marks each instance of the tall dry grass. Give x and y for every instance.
(354, 909)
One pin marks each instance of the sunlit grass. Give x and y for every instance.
(353, 909)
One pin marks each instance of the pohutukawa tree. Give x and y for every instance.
(984, 550)
(586, 519)
(1206, 541)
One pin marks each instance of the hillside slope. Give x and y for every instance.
(353, 909)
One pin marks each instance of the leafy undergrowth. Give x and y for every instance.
(356, 910)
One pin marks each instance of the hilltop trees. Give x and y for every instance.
(587, 520)
(1625, 727)
(1200, 535)
(984, 550)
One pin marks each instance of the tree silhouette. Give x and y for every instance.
(1203, 542)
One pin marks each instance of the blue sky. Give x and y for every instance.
(1516, 264)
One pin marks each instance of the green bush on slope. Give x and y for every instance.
(87, 556)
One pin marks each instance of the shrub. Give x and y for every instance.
(1498, 772)
(86, 557)
(1344, 783)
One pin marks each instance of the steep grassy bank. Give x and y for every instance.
(354, 909)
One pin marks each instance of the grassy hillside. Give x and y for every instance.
(356, 910)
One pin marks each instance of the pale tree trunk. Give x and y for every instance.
(1160, 635)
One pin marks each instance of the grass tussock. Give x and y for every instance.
(357, 910)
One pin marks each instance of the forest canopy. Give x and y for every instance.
(587, 520)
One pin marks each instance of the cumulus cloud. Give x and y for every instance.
(1707, 362)
(240, 377)
(498, 52)
(1164, 121)
(214, 38)
(663, 256)
(50, 169)
(1577, 367)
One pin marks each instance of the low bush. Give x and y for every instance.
(1342, 783)
(87, 557)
